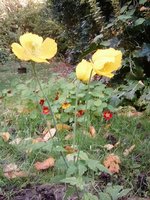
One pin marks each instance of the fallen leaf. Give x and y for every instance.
(16, 141)
(5, 136)
(48, 163)
(71, 157)
(50, 134)
(92, 131)
(112, 162)
(15, 174)
(10, 167)
(69, 136)
(70, 149)
(129, 150)
(12, 171)
(117, 143)
(108, 146)
(63, 127)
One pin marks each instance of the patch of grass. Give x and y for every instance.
(127, 130)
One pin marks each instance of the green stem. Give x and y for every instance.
(49, 105)
(53, 117)
(87, 99)
(75, 119)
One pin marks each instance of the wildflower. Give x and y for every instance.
(41, 102)
(84, 70)
(34, 48)
(103, 63)
(106, 61)
(107, 115)
(80, 113)
(45, 110)
(65, 105)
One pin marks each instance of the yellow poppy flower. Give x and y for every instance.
(83, 71)
(65, 105)
(34, 48)
(106, 61)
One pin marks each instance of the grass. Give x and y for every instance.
(128, 130)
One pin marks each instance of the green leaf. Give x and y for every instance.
(142, 1)
(92, 164)
(123, 9)
(123, 193)
(139, 21)
(104, 196)
(105, 43)
(103, 169)
(64, 117)
(72, 169)
(74, 181)
(98, 103)
(81, 168)
(83, 155)
(89, 196)
(124, 17)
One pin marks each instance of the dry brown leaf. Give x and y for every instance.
(63, 127)
(15, 174)
(48, 163)
(10, 167)
(5, 136)
(69, 136)
(12, 171)
(92, 131)
(109, 146)
(70, 149)
(112, 162)
(129, 150)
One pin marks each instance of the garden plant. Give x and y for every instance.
(82, 136)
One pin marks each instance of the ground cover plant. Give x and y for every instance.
(67, 132)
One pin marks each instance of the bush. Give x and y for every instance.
(35, 19)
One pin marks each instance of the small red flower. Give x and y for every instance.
(107, 115)
(80, 113)
(45, 110)
(41, 102)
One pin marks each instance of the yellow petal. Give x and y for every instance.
(101, 53)
(30, 41)
(19, 51)
(48, 48)
(106, 61)
(38, 60)
(83, 70)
